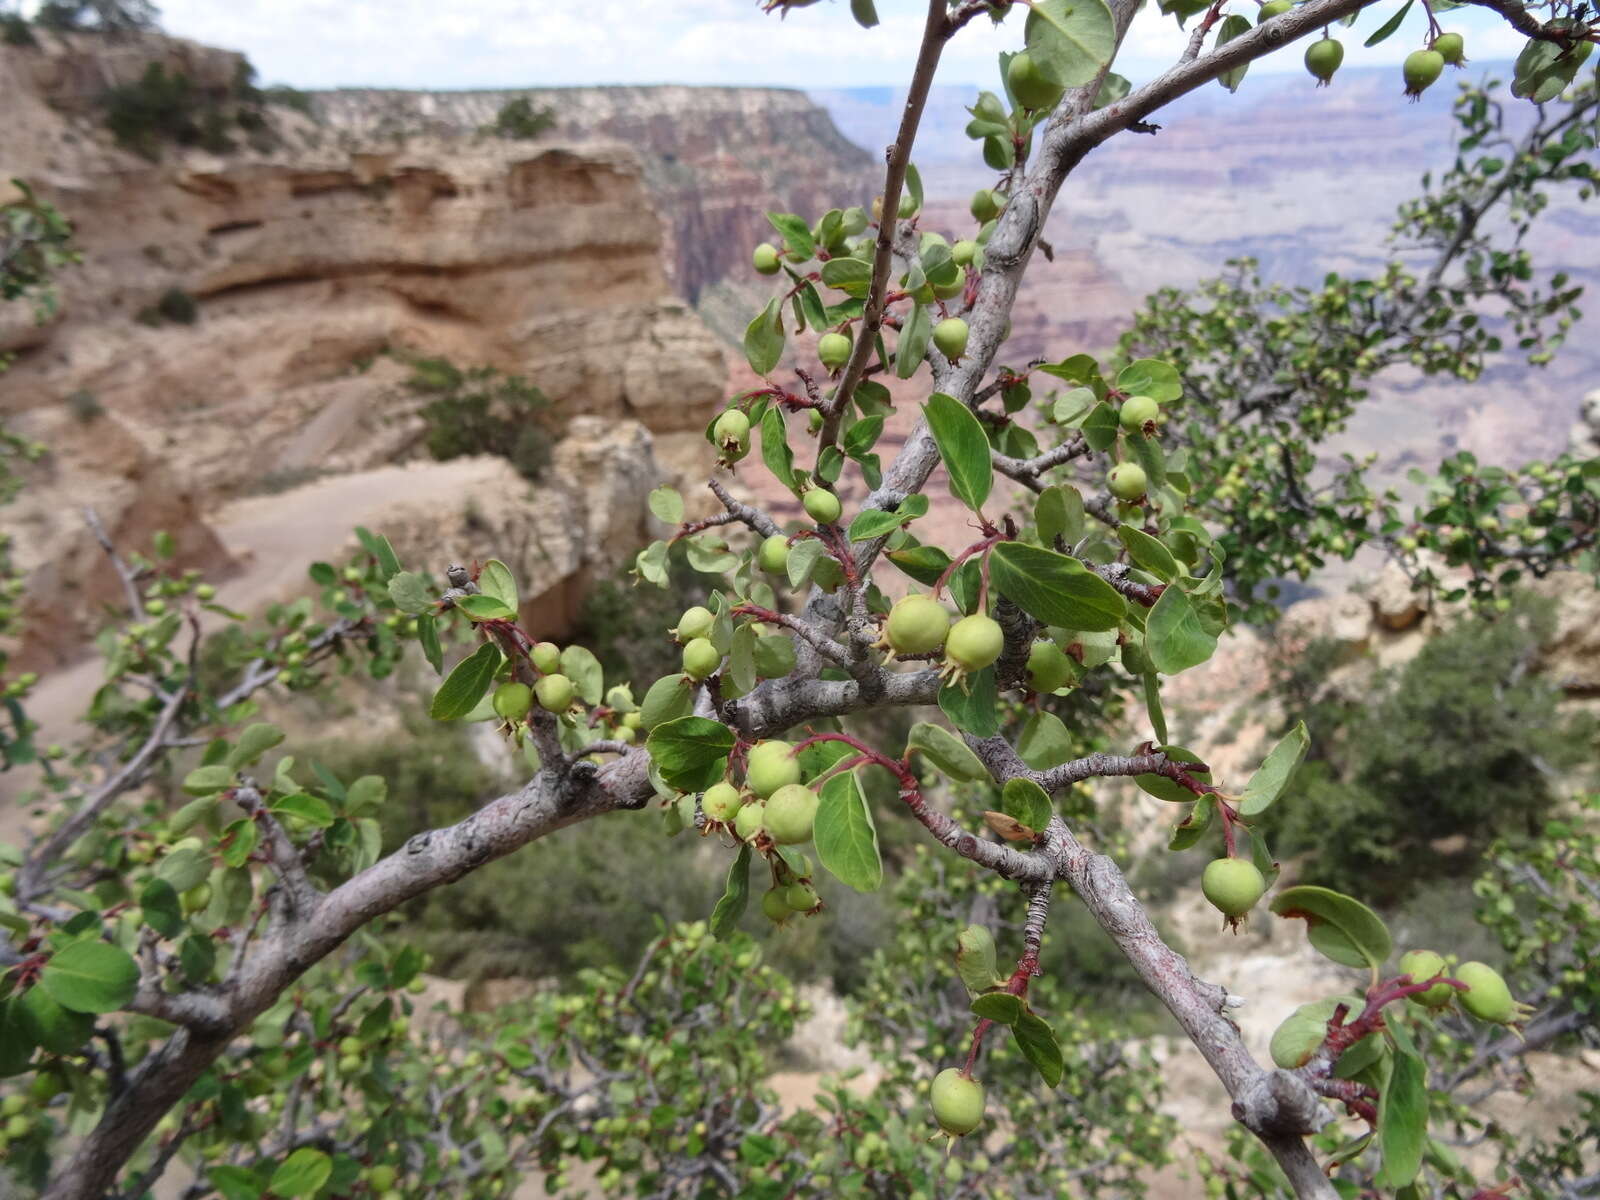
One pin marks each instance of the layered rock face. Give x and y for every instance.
(306, 260)
(716, 160)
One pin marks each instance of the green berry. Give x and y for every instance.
(1139, 411)
(1323, 58)
(13, 1105)
(696, 622)
(19, 1127)
(731, 434)
(205, 592)
(974, 642)
(546, 658)
(791, 813)
(950, 337)
(964, 252)
(1421, 69)
(957, 1102)
(1232, 885)
(1273, 8)
(1127, 481)
(775, 905)
(773, 557)
(822, 506)
(833, 350)
(700, 658)
(721, 802)
(513, 700)
(555, 693)
(1423, 965)
(770, 766)
(1029, 85)
(1452, 47)
(1487, 997)
(801, 897)
(765, 259)
(748, 821)
(1048, 667)
(986, 205)
(917, 624)
(381, 1177)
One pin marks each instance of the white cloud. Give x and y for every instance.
(499, 43)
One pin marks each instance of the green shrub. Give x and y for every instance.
(14, 31)
(483, 411)
(520, 120)
(97, 16)
(168, 107)
(1412, 779)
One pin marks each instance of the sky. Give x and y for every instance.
(536, 43)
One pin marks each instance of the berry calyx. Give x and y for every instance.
(1139, 413)
(1423, 965)
(513, 700)
(1029, 85)
(986, 205)
(791, 813)
(773, 557)
(731, 433)
(1323, 58)
(822, 506)
(1421, 69)
(1487, 997)
(1273, 8)
(957, 1101)
(555, 693)
(721, 802)
(950, 337)
(696, 622)
(833, 350)
(770, 766)
(700, 658)
(964, 252)
(766, 260)
(1452, 47)
(748, 820)
(973, 644)
(917, 624)
(774, 905)
(1233, 886)
(546, 658)
(1127, 481)
(1048, 667)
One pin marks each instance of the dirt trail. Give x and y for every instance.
(273, 538)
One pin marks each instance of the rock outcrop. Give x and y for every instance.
(306, 256)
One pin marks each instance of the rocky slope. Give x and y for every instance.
(305, 259)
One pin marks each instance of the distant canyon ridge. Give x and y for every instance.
(607, 261)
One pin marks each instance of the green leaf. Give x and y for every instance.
(428, 639)
(235, 1183)
(1000, 1007)
(914, 184)
(16, 1045)
(1174, 637)
(1044, 741)
(923, 563)
(1342, 928)
(485, 608)
(1151, 377)
(946, 751)
(1100, 427)
(1194, 826)
(1038, 1044)
(496, 580)
(975, 709)
(239, 838)
(1148, 553)
(875, 522)
(1389, 26)
(1232, 26)
(725, 917)
(1267, 784)
(795, 232)
(670, 697)
(913, 342)
(1025, 802)
(410, 593)
(581, 666)
(184, 867)
(1169, 790)
(1055, 589)
(1403, 1122)
(691, 753)
(667, 504)
(1072, 41)
(963, 446)
(864, 12)
(1059, 514)
(466, 684)
(1151, 685)
(845, 837)
(763, 338)
(50, 1025)
(203, 781)
(301, 1174)
(313, 810)
(91, 976)
(849, 275)
(775, 452)
(254, 741)
(774, 656)
(378, 546)
(162, 910)
(976, 963)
